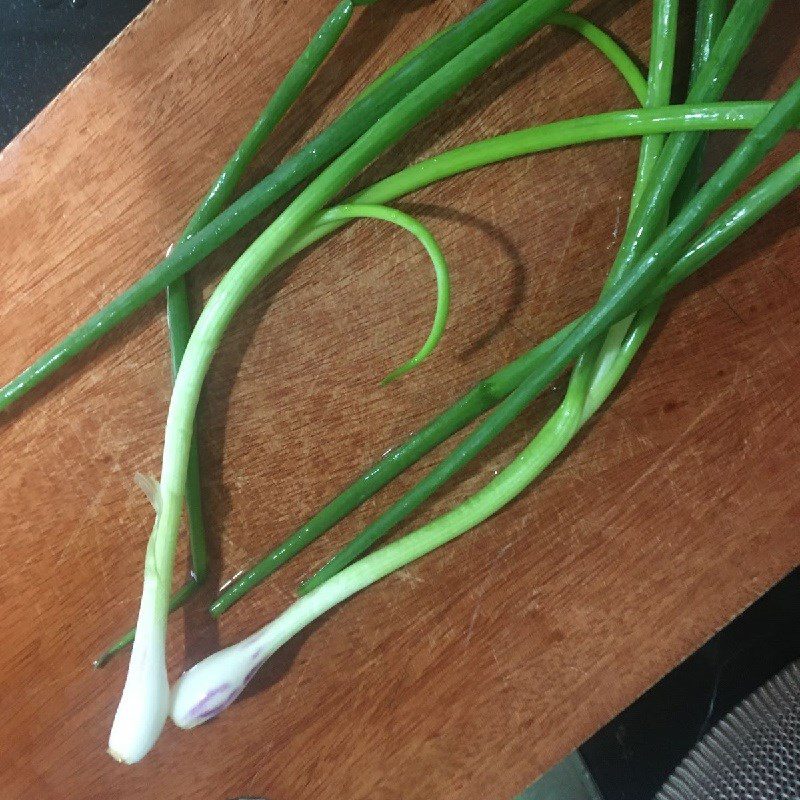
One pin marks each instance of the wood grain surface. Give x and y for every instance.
(472, 671)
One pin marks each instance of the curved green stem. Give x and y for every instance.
(689, 117)
(347, 212)
(608, 47)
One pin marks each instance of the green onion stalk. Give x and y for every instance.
(209, 687)
(488, 392)
(651, 208)
(142, 711)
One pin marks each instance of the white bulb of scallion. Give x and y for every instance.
(213, 684)
(144, 704)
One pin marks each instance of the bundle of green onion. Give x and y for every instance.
(667, 238)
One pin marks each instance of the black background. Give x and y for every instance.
(44, 44)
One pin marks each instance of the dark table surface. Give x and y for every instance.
(44, 44)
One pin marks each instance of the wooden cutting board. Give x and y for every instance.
(472, 671)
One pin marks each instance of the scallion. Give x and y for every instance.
(143, 686)
(206, 689)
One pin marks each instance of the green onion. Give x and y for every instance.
(209, 687)
(599, 344)
(143, 689)
(488, 392)
(738, 30)
(560, 429)
(138, 725)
